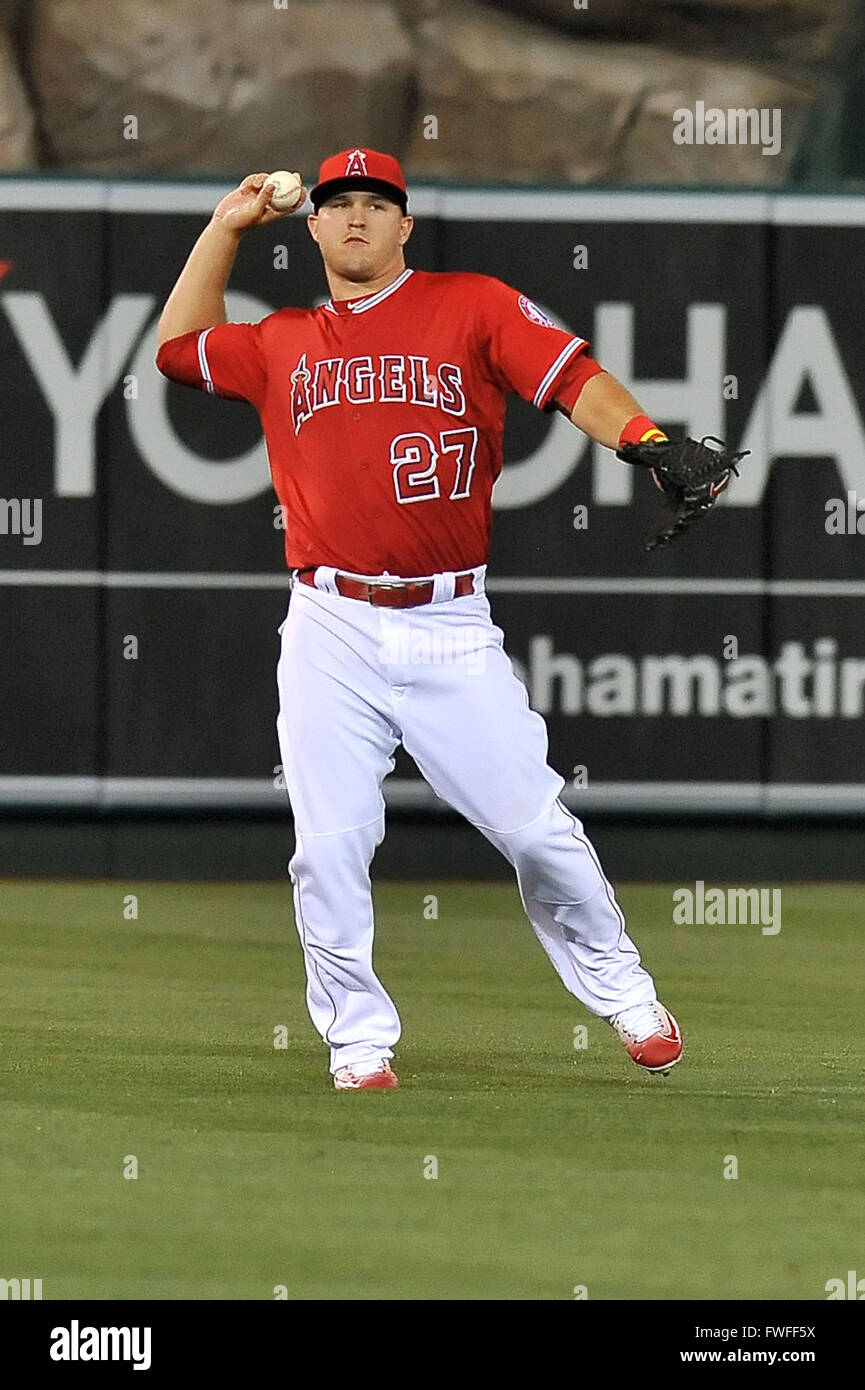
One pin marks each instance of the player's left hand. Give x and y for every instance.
(691, 475)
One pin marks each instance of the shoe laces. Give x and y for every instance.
(360, 1070)
(631, 1034)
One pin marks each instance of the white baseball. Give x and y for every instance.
(286, 193)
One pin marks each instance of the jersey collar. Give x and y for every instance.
(369, 301)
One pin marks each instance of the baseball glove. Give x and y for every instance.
(691, 475)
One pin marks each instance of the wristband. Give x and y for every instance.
(641, 430)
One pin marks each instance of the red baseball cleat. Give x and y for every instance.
(370, 1076)
(652, 1037)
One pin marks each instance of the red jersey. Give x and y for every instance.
(383, 415)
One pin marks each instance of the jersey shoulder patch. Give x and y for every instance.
(533, 313)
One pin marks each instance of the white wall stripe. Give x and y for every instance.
(52, 194)
(93, 579)
(250, 794)
(780, 588)
(800, 210)
(570, 205)
(117, 579)
(70, 195)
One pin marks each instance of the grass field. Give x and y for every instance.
(556, 1167)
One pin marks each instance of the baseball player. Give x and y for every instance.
(383, 412)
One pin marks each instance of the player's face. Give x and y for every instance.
(361, 235)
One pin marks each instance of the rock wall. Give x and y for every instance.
(524, 91)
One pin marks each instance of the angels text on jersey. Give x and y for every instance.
(396, 378)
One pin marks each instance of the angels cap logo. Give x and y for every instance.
(356, 163)
(532, 312)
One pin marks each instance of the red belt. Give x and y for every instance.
(400, 593)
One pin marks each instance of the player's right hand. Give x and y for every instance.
(248, 205)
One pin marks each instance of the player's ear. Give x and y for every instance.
(406, 230)
(312, 224)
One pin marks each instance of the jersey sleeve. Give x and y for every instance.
(527, 353)
(226, 360)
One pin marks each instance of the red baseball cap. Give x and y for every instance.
(357, 168)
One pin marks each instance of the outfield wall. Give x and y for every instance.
(726, 673)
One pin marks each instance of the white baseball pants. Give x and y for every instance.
(355, 680)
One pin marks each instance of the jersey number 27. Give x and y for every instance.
(415, 462)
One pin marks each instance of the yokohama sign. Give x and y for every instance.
(727, 670)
